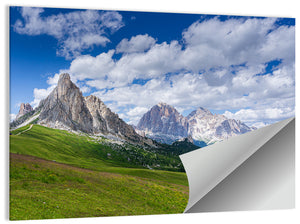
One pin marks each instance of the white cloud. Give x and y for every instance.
(139, 43)
(133, 115)
(137, 111)
(220, 65)
(259, 124)
(89, 67)
(160, 59)
(212, 47)
(53, 80)
(40, 94)
(75, 31)
(85, 89)
(12, 117)
(225, 43)
(268, 115)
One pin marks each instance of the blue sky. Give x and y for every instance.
(242, 67)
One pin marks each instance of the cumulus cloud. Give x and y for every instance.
(133, 115)
(53, 80)
(160, 59)
(139, 43)
(12, 117)
(89, 67)
(40, 94)
(220, 65)
(268, 115)
(215, 43)
(75, 31)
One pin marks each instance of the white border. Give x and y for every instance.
(275, 8)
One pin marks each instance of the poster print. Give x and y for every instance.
(103, 103)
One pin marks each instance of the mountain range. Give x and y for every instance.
(165, 124)
(66, 108)
(72, 142)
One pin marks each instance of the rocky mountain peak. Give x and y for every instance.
(24, 109)
(162, 104)
(164, 119)
(164, 123)
(64, 77)
(93, 100)
(64, 82)
(107, 122)
(200, 112)
(203, 111)
(208, 127)
(65, 107)
(165, 109)
(65, 86)
(98, 111)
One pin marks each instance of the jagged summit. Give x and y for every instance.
(64, 76)
(165, 124)
(106, 122)
(164, 119)
(24, 109)
(208, 127)
(162, 104)
(200, 112)
(66, 108)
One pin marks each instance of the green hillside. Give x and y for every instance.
(57, 174)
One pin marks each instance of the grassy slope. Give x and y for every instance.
(90, 185)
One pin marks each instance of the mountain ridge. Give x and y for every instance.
(200, 124)
(66, 108)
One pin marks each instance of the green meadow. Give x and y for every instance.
(57, 174)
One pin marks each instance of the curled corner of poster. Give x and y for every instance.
(253, 171)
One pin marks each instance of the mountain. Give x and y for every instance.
(200, 112)
(24, 109)
(208, 127)
(66, 108)
(26, 112)
(163, 123)
(107, 122)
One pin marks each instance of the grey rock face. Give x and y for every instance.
(203, 125)
(231, 127)
(97, 109)
(164, 119)
(200, 112)
(65, 107)
(24, 109)
(107, 122)
(163, 123)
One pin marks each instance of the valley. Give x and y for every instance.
(71, 156)
(58, 174)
